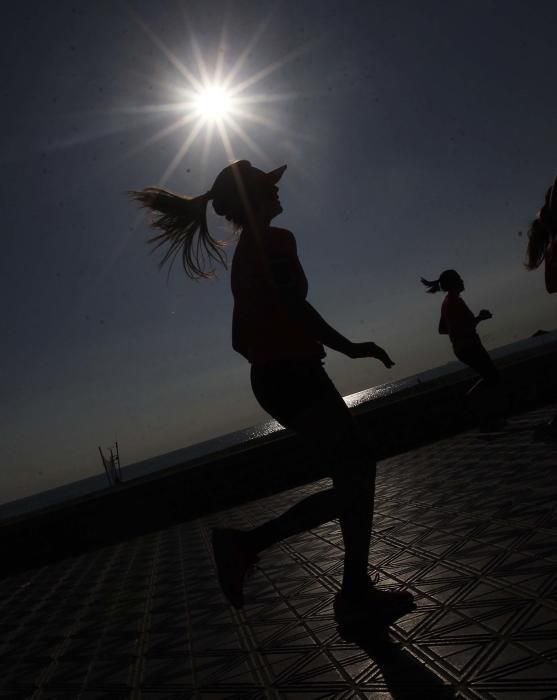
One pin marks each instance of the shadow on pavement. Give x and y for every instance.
(405, 676)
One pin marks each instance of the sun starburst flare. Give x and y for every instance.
(218, 102)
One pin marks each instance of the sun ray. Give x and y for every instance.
(175, 162)
(93, 134)
(147, 109)
(209, 132)
(271, 124)
(252, 43)
(247, 140)
(169, 87)
(265, 72)
(219, 64)
(196, 49)
(188, 75)
(171, 128)
(202, 66)
(262, 99)
(226, 142)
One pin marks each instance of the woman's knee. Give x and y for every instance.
(354, 458)
(354, 489)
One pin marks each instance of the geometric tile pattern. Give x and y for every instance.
(467, 524)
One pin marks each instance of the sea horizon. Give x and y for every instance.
(241, 439)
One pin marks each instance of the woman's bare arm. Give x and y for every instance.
(291, 285)
(303, 313)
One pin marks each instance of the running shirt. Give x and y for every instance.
(264, 273)
(457, 320)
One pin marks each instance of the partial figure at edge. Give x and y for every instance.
(542, 248)
(283, 337)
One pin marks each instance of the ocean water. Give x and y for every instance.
(241, 439)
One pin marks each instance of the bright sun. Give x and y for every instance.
(213, 103)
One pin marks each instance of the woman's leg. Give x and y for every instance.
(478, 359)
(326, 427)
(485, 397)
(352, 468)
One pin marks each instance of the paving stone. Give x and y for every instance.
(467, 524)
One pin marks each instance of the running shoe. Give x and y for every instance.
(376, 606)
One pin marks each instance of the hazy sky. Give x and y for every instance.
(418, 136)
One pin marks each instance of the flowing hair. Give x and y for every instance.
(539, 238)
(433, 286)
(183, 225)
(444, 282)
(541, 232)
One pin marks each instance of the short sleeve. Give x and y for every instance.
(459, 319)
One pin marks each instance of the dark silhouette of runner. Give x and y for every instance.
(542, 248)
(459, 323)
(283, 337)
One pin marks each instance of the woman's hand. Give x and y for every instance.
(484, 315)
(370, 350)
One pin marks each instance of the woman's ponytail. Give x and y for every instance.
(433, 286)
(183, 223)
(538, 240)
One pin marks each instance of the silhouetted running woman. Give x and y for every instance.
(459, 323)
(542, 248)
(282, 336)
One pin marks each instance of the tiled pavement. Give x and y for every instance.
(468, 524)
